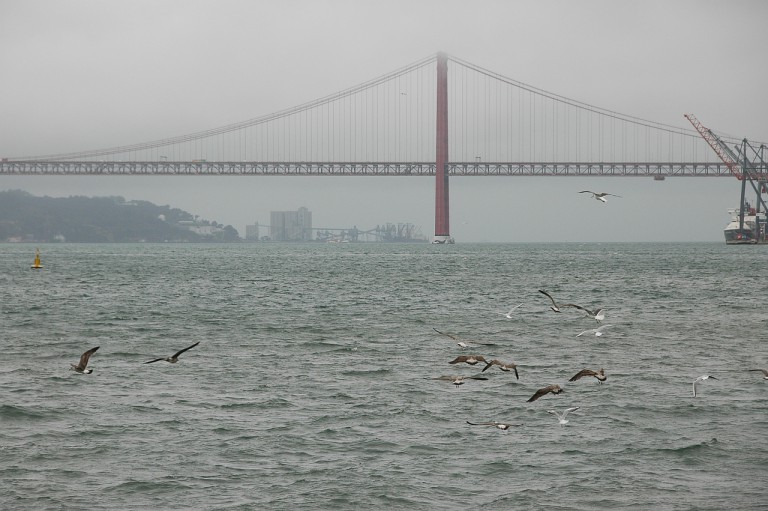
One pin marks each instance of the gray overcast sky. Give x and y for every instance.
(87, 74)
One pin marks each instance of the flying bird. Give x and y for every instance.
(175, 357)
(597, 314)
(597, 331)
(599, 195)
(554, 389)
(81, 366)
(764, 371)
(600, 375)
(468, 359)
(556, 306)
(509, 315)
(459, 380)
(503, 366)
(504, 426)
(561, 417)
(462, 343)
(699, 380)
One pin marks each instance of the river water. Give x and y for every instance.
(313, 384)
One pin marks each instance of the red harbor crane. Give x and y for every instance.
(722, 150)
(744, 170)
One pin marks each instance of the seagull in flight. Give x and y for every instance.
(600, 375)
(503, 366)
(699, 380)
(561, 417)
(554, 389)
(597, 314)
(459, 380)
(175, 357)
(597, 331)
(599, 195)
(462, 343)
(764, 371)
(509, 315)
(556, 306)
(468, 359)
(504, 426)
(81, 366)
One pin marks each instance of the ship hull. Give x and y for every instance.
(739, 237)
(744, 232)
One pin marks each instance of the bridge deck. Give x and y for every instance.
(225, 168)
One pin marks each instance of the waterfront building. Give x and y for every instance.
(291, 225)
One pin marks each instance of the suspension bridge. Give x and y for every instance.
(421, 120)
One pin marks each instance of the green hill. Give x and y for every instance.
(25, 217)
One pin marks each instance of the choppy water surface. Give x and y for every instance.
(311, 387)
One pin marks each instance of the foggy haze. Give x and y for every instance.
(82, 75)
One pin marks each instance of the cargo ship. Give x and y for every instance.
(751, 232)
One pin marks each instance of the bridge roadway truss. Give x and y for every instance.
(224, 168)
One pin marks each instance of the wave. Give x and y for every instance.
(147, 487)
(372, 372)
(146, 408)
(244, 406)
(690, 448)
(684, 450)
(278, 402)
(11, 412)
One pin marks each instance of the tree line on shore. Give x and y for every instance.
(79, 219)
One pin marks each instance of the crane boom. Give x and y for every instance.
(718, 146)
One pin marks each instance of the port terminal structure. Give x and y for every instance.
(384, 233)
(747, 163)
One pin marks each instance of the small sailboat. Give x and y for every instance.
(37, 265)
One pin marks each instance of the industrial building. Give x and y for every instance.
(290, 225)
(252, 232)
(297, 226)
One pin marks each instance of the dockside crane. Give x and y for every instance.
(721, 148)
(742, 168)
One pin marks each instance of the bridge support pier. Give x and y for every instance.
(442, 226)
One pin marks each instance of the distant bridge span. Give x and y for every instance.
(195, 168)
(399, 125)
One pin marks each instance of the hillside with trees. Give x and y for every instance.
(77, 219)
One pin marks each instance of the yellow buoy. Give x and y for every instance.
(36, 265)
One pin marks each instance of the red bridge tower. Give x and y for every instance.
(442, 228)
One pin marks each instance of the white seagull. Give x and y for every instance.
(597, 331)
(599, 195)
(765, 373)
(175, 357)
(700, 379)
(81, 365)
(561, 417)
(509, 315)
